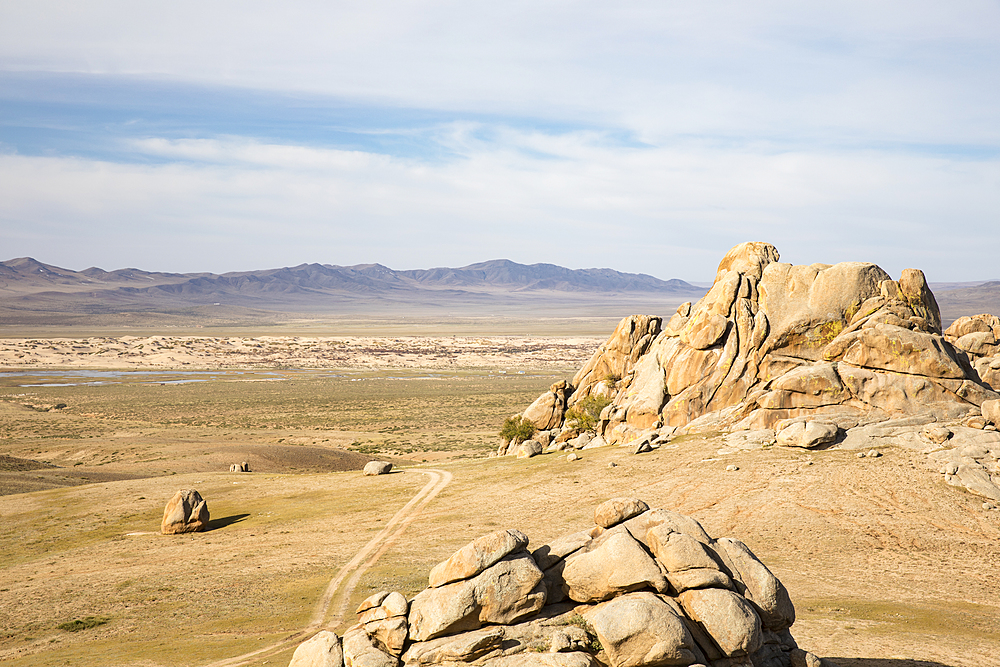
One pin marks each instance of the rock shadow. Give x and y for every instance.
(216, 524)
(885, 662)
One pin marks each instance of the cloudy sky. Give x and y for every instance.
(641, 136)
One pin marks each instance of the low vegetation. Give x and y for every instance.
(587, 410)
(516, 429)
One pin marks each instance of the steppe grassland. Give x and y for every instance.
(870, 554)
(131, 422)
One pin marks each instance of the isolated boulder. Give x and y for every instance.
(187, 512)
(807, 434)
(377, 468)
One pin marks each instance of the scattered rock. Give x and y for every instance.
(187, 512)
(528, 449)
(936, 434)
(572, 456)
(240, 467)
(874, 453)
(377, 467)
(732, 468)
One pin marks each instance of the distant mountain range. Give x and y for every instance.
(34, 292)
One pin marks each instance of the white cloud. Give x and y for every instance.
(576, 200)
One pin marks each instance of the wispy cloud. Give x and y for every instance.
(647, 136)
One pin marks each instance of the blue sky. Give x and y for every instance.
(641, 136)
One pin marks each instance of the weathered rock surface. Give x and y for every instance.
(476, 556)
(186, 512)
(322, 650)
(616, 510)
(641, 629)
(731, 611)
(504, 593)
(377, 468)
(611, 564)
(842, 344)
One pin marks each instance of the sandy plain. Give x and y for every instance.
(887, 566)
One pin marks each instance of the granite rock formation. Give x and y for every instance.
(642, 588)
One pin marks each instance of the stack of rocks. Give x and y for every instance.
(642, 588)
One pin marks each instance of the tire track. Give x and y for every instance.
(352, 572)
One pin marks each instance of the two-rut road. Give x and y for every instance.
(338, 593)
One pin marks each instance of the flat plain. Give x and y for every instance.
(887, 566)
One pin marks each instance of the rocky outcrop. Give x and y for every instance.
(978, 336)
(840, 344)
(642, 588)
(186, 512)
(240, 467)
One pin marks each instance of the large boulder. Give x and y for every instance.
(506, 592)
(641, 629)
(377, 468)
(321, 650)
(548, 409)
(476, 556)
(727, 617)
(186, 512)
(612, 564)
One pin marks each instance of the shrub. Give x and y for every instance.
(585, 413)
(517, 429)
(83, 623)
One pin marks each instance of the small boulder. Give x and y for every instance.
(187, 512)
(936, 434)
(612, 512)
(377, 467)
(807, 434)
(991, 411)
(529, 448)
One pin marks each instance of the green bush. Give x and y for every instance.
(517, 429)
(585, 413)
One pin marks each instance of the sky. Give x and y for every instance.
(647, 137)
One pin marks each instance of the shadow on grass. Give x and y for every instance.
(884, 662)
(215, 524)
